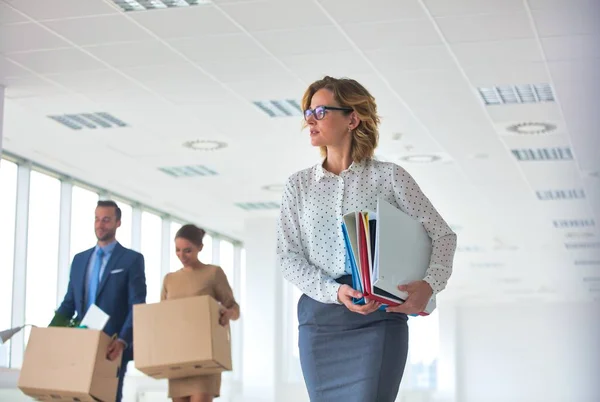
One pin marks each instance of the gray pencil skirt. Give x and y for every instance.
(351, 357)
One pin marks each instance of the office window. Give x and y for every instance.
(151, 249)
(206, 255)
(226, 259)
(423, 351)
(124, 232)
(42, 249)
(174, 263)
(8, 204)
(83, 205)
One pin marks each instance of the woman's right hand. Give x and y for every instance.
(345, 295)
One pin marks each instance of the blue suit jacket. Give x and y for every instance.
(122, 285)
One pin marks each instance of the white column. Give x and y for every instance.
(17, 342)
(262, 312)
(64, 240)
(448, 356)
(136, 228)
(1, 115)
(165, 245)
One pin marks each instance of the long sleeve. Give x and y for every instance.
(291, 254)
(137, 295)
(443, 240)
(223, 292)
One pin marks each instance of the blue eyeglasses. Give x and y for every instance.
(319, 111)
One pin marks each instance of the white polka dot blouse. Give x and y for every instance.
(310, 245)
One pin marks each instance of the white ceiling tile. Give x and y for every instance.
(98, 30)
(352, 11)
(8, 15)
(185, 21)
(246, 69)
(391, 35)
(544, 112)
(580, 47)
(566, 22)
(10, 69)
(484, 28)
(211, 48)
(444, 8)
(135, 54)
(322, 39)
(509, 51)
(92, 81)
(508, 74)
(27, 37)
(265, 88)
(57, 61)
(429, 82)
(56, 9)
(274, 15)
(561, 4)
(313, 66)
(180, 83)
(410, 58)
(29, 87)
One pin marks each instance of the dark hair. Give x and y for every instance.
(349, 93)
(191, 233)
(111, 203)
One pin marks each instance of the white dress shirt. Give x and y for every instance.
(310, 244)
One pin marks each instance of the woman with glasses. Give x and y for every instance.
(350, 352)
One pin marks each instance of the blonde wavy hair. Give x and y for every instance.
(349, 93)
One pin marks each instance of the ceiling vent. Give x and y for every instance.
(543, 154)
(258, 206)
(142, 5)
(573, 223)
(188, 171)
(587, 263)
(280, 108)
(582, 246)
(515, 94)
(88, 120)
(574, 194)
(204, 145)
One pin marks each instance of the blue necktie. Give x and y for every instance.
(94, 279)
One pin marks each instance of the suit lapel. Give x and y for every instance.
(82, 272)
(110, 265)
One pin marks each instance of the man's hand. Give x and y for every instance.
(115, 348)
(419, 293)
(226, 314)
(345, 295)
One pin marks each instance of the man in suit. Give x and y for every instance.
(112, 277)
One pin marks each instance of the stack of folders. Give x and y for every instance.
(386, 249)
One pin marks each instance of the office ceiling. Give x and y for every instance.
(519, 181)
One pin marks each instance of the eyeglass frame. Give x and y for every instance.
(325, 108)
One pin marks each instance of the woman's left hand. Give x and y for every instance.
(419, 293)
(226, 314)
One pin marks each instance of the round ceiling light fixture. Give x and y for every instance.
(531, 128)
(421, 158)
(204, 145)
(278, 188)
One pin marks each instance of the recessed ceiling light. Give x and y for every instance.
(531, 128)
(278, 188)
(88, 120)
(204, 145)
(141, 5)
(421, 158)
(543, 154)
(579, 235)
(280, 108)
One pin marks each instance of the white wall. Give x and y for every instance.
(529, 353)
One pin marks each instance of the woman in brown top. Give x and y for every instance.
(196, 279)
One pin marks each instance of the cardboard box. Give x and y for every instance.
(68, 364)
(180, 338)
